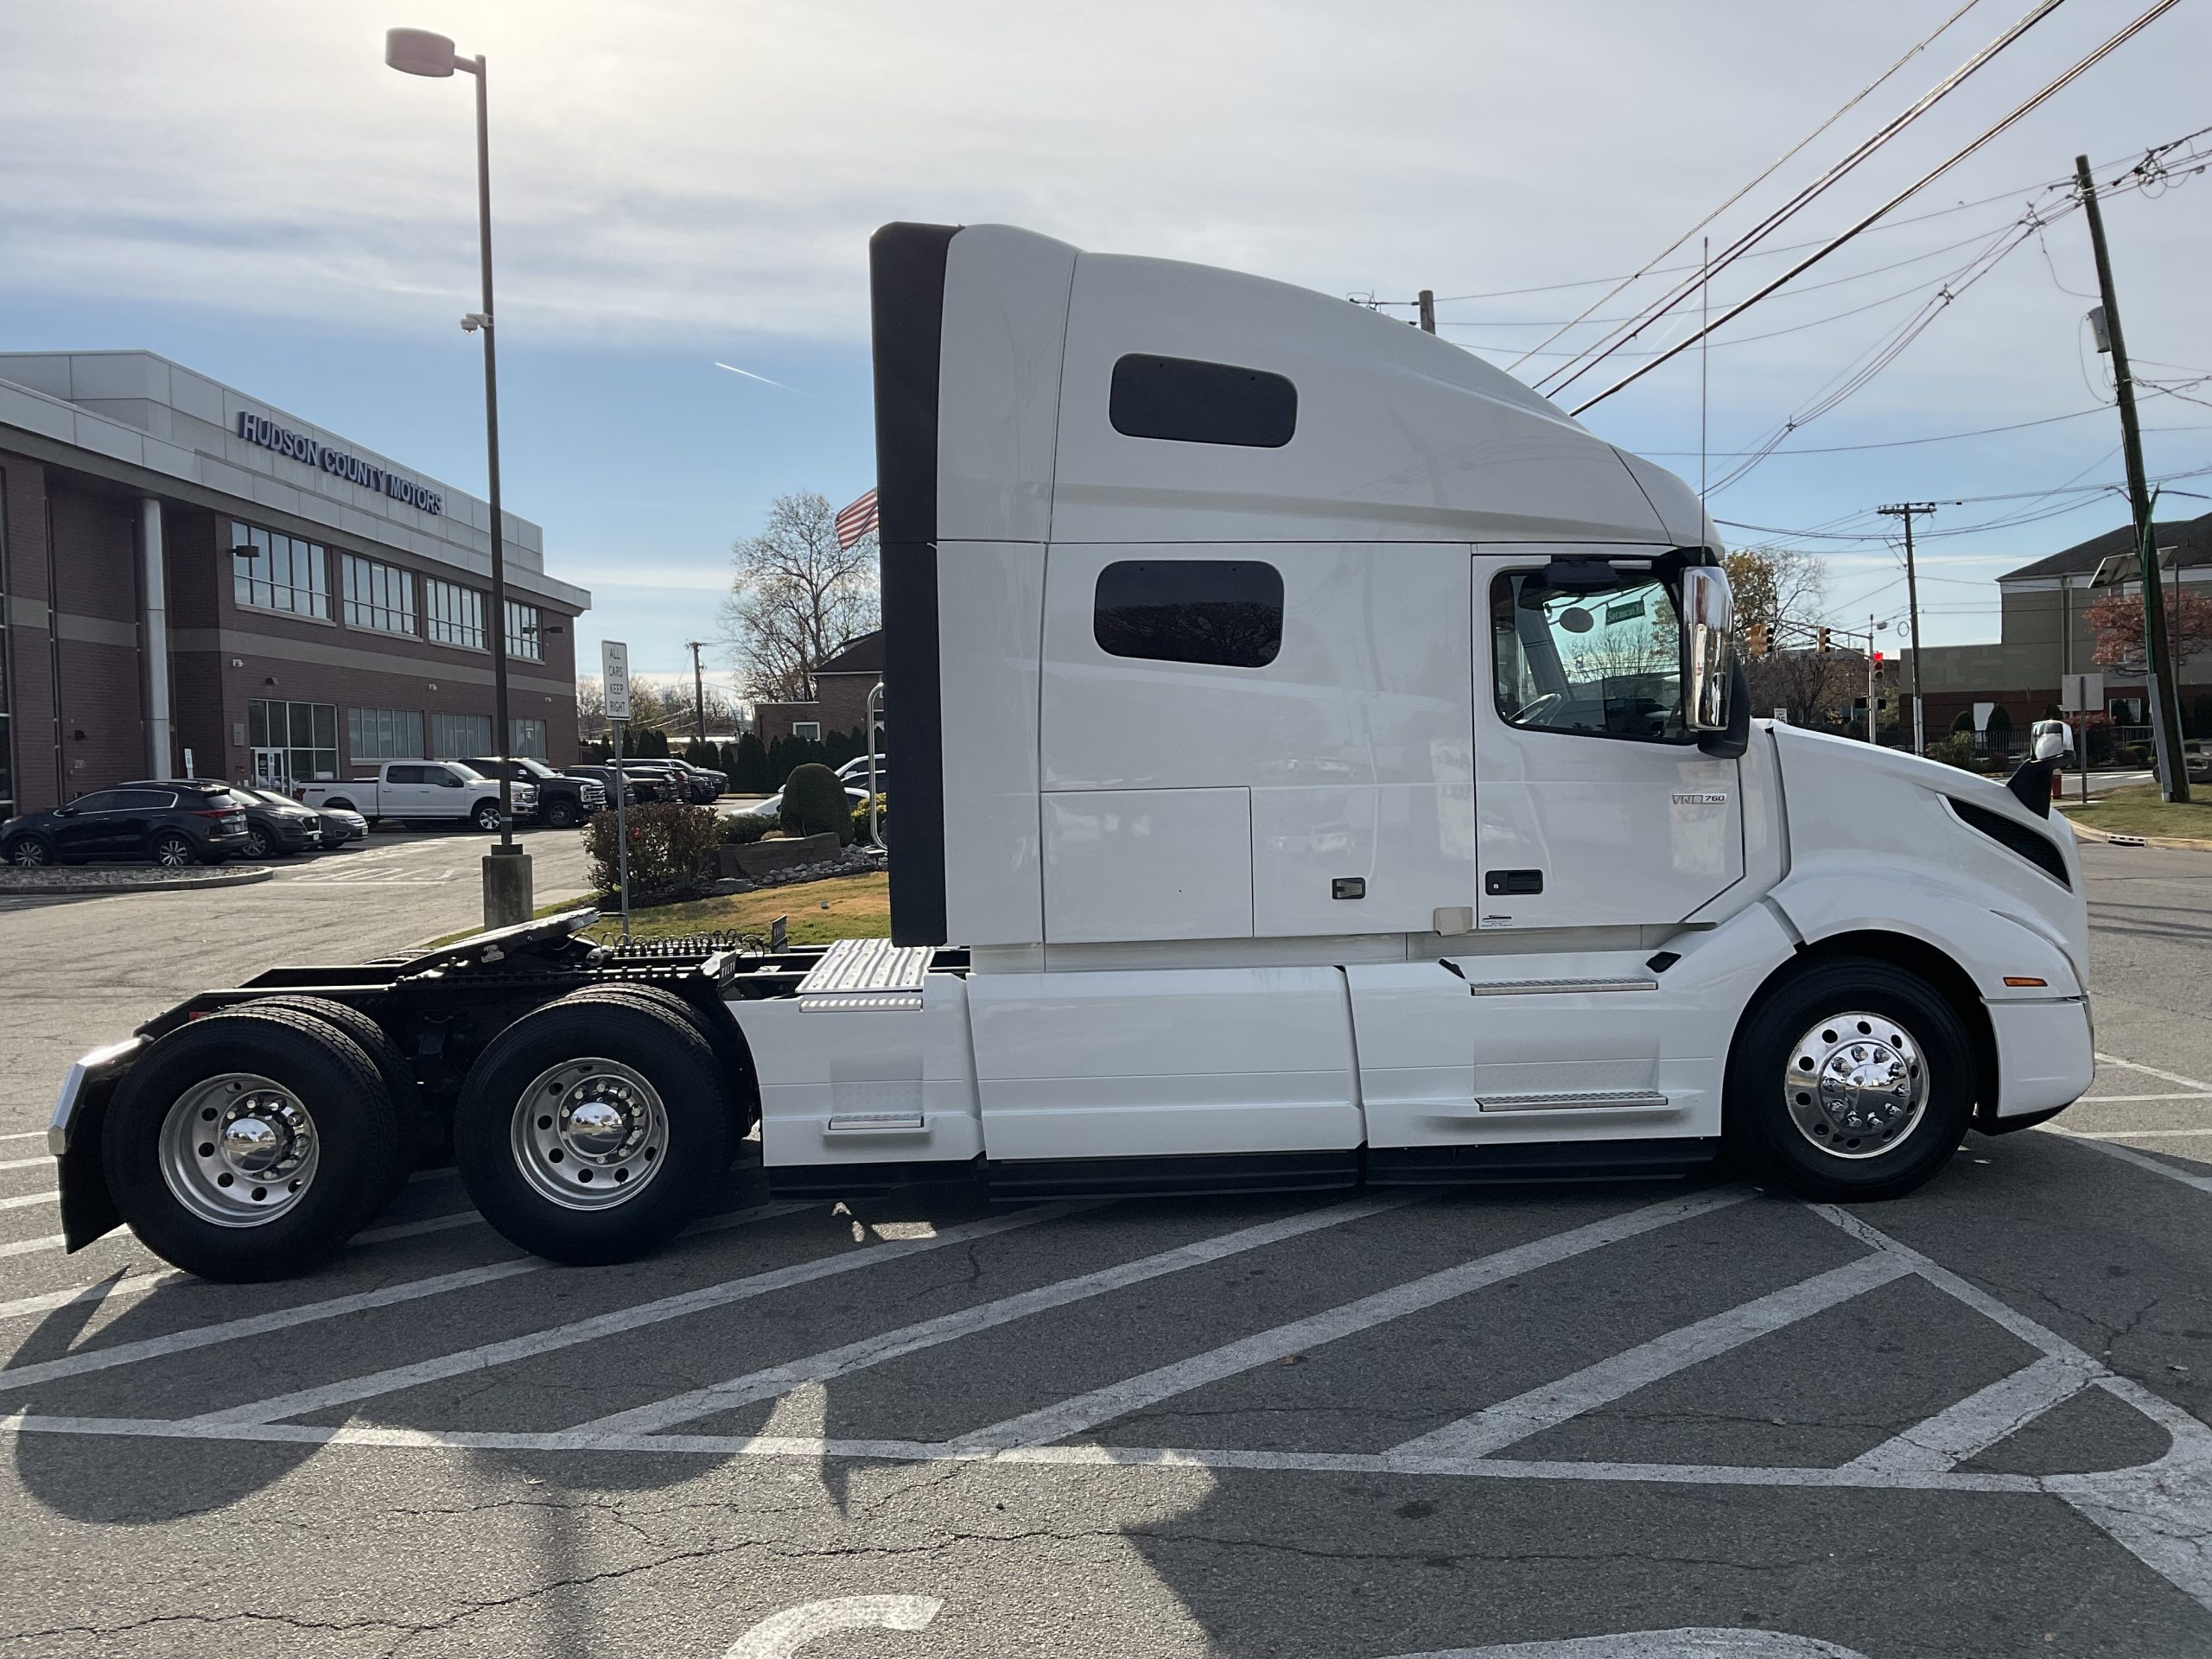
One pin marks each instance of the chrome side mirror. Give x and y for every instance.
(1708, 648)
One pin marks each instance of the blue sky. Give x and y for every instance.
(246, 189)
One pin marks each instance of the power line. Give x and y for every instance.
(2019, 112)
(1771, 168)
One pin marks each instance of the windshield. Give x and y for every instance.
(1607, 662)
(467, 772)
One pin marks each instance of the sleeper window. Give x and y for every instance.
(1606, 664)
(1182, 400)
(1227, 613)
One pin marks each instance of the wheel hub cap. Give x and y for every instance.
(589, 1133)
(239, 1150)
(1855, 1085)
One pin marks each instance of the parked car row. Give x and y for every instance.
(656, 780)
(177, 823)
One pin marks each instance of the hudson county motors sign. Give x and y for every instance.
(297, 446)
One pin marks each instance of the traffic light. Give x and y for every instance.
(1755, 639)
(1821, 640)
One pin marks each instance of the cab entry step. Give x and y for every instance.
(855, 974)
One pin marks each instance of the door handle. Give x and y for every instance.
(1505, 881)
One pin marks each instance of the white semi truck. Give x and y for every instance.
(1320, 761)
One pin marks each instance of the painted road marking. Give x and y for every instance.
(1987, 1415)
(349, 1391)
(2196, 1083)
(2144, 1160)
(1087, 1411)
(781, 1635)
(1556, 1402)
(967, 1321)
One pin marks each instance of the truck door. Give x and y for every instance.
(1595, 808)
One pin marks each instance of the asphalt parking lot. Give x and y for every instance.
(1570, 1422)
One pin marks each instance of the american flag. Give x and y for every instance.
(856, 521)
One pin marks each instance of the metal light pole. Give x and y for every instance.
(507, 871)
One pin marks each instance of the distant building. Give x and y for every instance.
(839, 702)
(2044, 633)
(186, 570)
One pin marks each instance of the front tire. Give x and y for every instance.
(1852, 1081)
(249, 1145)
(561, 815)
(30, 853)
(485, 817)
(594, 1130)
(256, 844)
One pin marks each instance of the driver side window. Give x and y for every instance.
(1606, 664)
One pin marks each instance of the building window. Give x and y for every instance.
(271, 572)
(526, 737)
(454, 736)
(383, 733)
(379, 596)
(293, 742)
(523, 637)
(1185, 401)
(810, 730)
(453, 614)
(1227, 613)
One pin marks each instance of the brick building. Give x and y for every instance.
(2044, 633)
(839, 700)
(189, 573)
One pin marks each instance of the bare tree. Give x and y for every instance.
(591, 708)
(1775, 585)
(796, 598)
(1817, 687)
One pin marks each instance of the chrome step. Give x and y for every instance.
(1580, 1101)
(1554, 986)
(864, 974)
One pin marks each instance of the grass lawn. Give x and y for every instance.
(2136, 810)
(842, 907)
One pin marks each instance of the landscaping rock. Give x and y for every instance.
(129, 878)
(763, 858)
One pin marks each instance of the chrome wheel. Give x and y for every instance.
(239, 1150)
(588, 1134)
(1855, 1085)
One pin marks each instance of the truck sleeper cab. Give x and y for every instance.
(1321, 762)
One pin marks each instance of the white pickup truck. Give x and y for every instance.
(423, 788)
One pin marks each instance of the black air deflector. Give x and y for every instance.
(2037, 848)
(1183, 400)
(906, 292)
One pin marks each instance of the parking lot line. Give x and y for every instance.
(1086, 1411)
(967, 1321)
(2196, 1083)
(2131, 1134)
(1552, 1404)
(27, 1163)
(258, 1325)
(29, 1200)
(2144, 1160)
(32, 1246)
(104, 1290)
(2116, 1100)
(1987, 1415)
(25, 1135)
(622, 1320)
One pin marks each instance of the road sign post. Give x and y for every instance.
(2081, 694)
(614, 677)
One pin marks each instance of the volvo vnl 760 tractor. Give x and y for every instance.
(1321, 762)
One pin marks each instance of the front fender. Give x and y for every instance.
(1836, 896)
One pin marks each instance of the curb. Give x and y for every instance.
(14, 888)
(2184, 843)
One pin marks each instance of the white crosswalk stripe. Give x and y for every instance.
(1087, 1411)
(351, 1390)
(1553, 1403)
(967, 1321)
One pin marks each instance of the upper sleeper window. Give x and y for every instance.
(1223, 612)
(1188, 401)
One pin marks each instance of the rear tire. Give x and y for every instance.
(208, 1133)
(420, 1133)
(172, 850)
(595, 1130)
(1852, 1081)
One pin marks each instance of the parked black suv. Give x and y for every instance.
(277, 826)
(638, 790)
(677, 782)
(173, 823)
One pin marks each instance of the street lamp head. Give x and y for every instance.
(418, 52)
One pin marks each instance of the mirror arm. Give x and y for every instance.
(1732, 743)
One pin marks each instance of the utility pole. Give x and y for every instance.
(2165, 700)
(1905, 510)
(1428, 311)
(698, 692)
(1873, 675)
